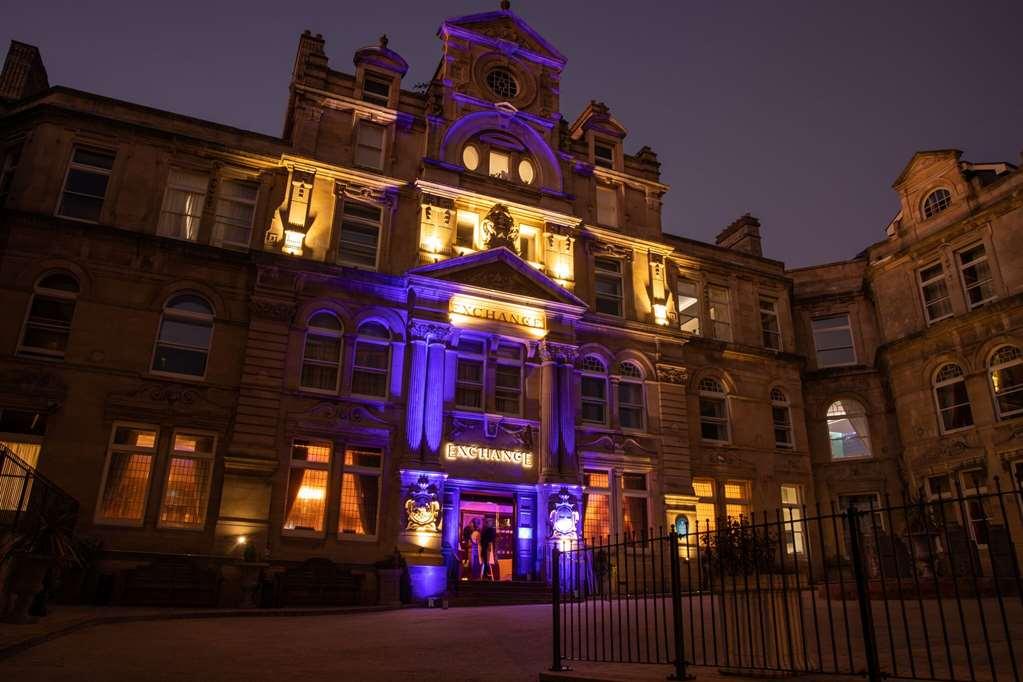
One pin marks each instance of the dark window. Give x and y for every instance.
(936, 202)
(376, 90)
(372, 360)
(608, 285)
(360, 234)
(321, 359)
(48, 325)
(603, 155)
(502, 83)
(183, 344)
(86, 184)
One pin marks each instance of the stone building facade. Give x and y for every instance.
(424, 305)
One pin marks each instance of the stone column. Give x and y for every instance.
(416, 397)
(566, 390)
(676, 472)
(550, 424)
(433, 415)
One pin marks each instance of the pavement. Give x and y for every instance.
(485, 644)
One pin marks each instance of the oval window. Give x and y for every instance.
(470, 158)
(526, 173)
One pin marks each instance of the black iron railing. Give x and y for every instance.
(921, 589)
(26, 496)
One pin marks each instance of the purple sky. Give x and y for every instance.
(801, 113)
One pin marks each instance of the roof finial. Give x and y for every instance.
(383, 40)
(506, 5)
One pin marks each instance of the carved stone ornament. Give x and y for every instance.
(563, 516)
(548, 351)
(272, 310)
(616, 442)
(429, 331)
(667, 374)
(169, 398)
(368, 194)
(604, 249)
(422, 507)
(490, 429)
(33, 383)
(500, 229)
(342, 413)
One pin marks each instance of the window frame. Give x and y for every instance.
(710, 523)
(463, 354)
(929, 210)
(151, 452)
(375, 97)
(169, 186)
(41, 353)
(607, 191)
(640, 407)
(361, 338)
(356, 469)
(73, 165)
(612, 161)
(828, 417)
(220, 220)
(936, 280)
(852, 340)
(322, 332)
(317, 466)
(786, 405)
(173, 453)
(703, 393)
(182, 315)
(599, 491)
(593, 374)
(626, 493)
(10, 158)
(937, 384)
(992, 368)
(365, 124)
(963, 267)
(506, 174)
(771, 312)
(695, 305)
(343, 217)
(725, 305)
(618, 275)
(793, 520)
(518, 364)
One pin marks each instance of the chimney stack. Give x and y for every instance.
(742, 235)
(24, 74)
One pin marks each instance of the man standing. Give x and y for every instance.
(488, 542)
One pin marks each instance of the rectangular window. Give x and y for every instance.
(832, 337)
(706, 509)
(720, 313)
(126, 482)
(714, 418)
(465, 232)
(469, 374)
(85, 185)
(635, 510)
(508, 380)
(499, 165)
(182, 205)
(769, 326)
(864, 503)
(306, 496)
(369, 147)
(630, 404)
(9, 159)
(608, 286)
(596, 505)
(187, 488)
(370, 367)
(360, 492)
(603, 155)
(376, 90)
(792, 516)
(527, 244)
(594, 399)
(976, 274)
(688, 306)
(974, 485)
(236, 212)
(607, 206)
(360, 235)
(934, 290)
(737, 499)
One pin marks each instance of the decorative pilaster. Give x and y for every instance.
(550, 423)
(416, 397)
(566, 376)
(557, 428)
(676, 471)
(433, 416)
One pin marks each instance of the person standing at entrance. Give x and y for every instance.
(488, 542)
(475, 555)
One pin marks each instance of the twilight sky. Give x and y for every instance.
(801, 113)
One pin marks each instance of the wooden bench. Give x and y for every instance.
(171, 582)
(317, 582)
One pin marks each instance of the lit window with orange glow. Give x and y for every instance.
(125, 488)
(306, 497)
(360, 492)
(187, 487)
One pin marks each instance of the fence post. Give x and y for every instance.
(863, 596)
(676, 610)
(556, 665)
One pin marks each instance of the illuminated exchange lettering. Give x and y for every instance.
(533, 319)
(523, 458)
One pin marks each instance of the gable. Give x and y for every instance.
(499, 276)
(925, 163)
(508, 27)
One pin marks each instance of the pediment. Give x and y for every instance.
(924, 163)
(501, 271)
(508, 27)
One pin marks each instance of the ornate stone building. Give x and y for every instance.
(421, 306)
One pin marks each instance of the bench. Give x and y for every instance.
(317, 582)
(171, 582)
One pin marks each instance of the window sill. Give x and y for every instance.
(118, 524)
(187, 529)
(177, 377)
(354, 537)
(77, 220)
(857, 458)
(317, 391)
(307, 534)
(715, 443)
(38, 354)
(960, 429)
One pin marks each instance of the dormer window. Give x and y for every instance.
(502, 83)
(936, 202)
(376, 90)
(499, 163)
(603, 155)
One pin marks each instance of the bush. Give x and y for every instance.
(736, 547)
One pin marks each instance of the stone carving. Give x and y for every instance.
(272, 310)
(549, 351)
(563, 516)
(428, 331)
(499, 277)
(360, 193)
(519, 434)
(345, 412)
(422, 507)
(613, 250)
(33, 382)
(168, 397)
(668, 374)
(615, 442)
(500, 229)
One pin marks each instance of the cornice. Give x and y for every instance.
(632, 180)
(540, 214)
(341, 173)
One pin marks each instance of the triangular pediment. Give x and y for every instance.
(501, 271)
(924, 163)
(506, 26)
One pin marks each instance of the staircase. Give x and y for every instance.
(503, 593)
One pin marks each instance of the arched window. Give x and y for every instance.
(321, 357)
(936, 202)
(1006, 372)
(183, 344)
(48, 324)
(847, 429)
(372, 360)
(713, 411)
(630, 396)
(954, 410)
(593, 390)
(781, 416)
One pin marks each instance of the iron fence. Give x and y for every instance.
(919, 589)
(27, 496)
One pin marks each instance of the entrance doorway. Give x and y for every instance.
(487, 511)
